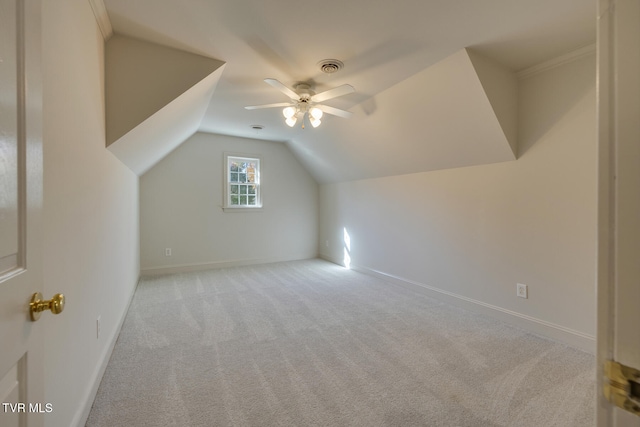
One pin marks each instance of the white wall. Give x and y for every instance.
(91, 244)
(475, 232)
(180, 208)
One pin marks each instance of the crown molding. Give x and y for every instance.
(102, 17)
(556, 62)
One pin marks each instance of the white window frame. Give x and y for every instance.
(227, 206)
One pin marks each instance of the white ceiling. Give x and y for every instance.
(382, 43)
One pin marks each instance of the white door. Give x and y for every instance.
(619, 201)
(21, 363)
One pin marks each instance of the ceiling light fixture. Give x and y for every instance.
(315, 114)
(291, 114)
(291, 121)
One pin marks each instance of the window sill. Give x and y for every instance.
(243, 209)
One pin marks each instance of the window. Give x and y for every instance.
(242, 182)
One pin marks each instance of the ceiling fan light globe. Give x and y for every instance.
(291, 121)
(289, 112)
(316, 113)
(314, 122)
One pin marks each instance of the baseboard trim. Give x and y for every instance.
(531, 324)
(80, 419)
(185, 268)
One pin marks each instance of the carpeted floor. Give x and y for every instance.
(309, 343)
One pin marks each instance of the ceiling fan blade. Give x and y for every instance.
(282, 88)
(257, 107)
(335, 111)
(332, 93)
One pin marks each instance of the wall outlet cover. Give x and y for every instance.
(522, 290)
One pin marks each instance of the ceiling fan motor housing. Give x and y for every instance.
(304, 91)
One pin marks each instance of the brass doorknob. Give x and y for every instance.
(37, 305)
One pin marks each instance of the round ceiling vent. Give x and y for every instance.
(330, 66)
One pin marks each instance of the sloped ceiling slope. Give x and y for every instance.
(446, 116)
(427, 95)
(156, 97)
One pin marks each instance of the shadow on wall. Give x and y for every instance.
(568, 91)
(369, 105)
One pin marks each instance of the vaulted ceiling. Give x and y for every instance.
(433, 78)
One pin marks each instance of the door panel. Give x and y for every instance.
(21, 363)
(9, 394)
(8, 138)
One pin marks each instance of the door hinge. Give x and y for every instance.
(622, 386)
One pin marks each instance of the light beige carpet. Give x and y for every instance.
(309, 343)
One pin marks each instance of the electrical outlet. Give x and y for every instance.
(326, 243)
(167, 252)
(522, 291)
(98, 327)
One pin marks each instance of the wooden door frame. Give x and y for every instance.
(617, 29)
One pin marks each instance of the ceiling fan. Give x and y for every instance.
(304, 101)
